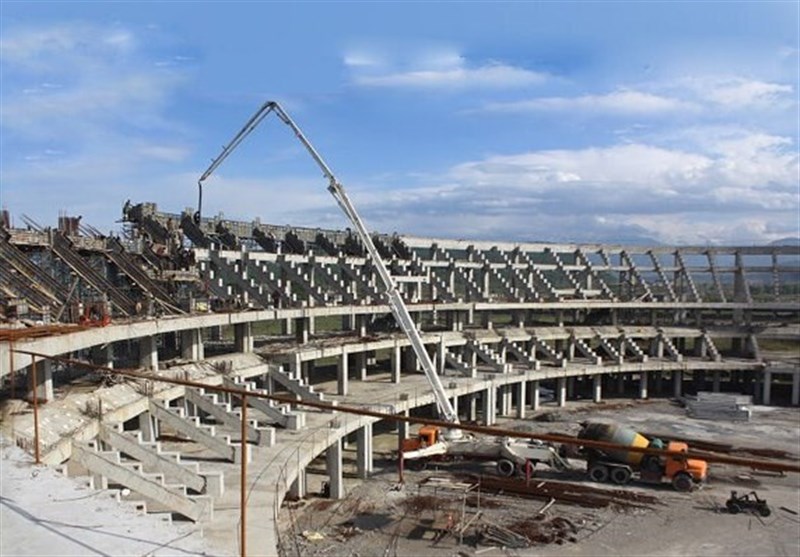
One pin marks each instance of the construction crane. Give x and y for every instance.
(396, 303)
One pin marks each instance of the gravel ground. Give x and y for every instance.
(380, 517)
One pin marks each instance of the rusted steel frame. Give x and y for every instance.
(774, 466)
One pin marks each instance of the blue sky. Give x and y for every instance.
(565, 121)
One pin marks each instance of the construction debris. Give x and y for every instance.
(720, 406)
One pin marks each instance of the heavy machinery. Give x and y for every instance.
(621, 466)
(511, 455)
(749, 502)
(395, 300)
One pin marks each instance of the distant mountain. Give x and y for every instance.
(786, 242)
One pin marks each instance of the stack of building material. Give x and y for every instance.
(720, 406)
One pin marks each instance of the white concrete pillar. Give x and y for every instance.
(535, 395)
(488, 399)
(43, 389)
(148, 353)
(472, 407)
(364, 460)
(243, 337)
(767, 397)
(402, 428)
(148, 427)
(333, 461)
(299, 486)
(522, 391)
(302, 329)
(504, 393)
(597, 388)
(643, 385)
(342, 375)
(561, 391)
(192, 345)
(677, 383)
(396, 364)
(361, 365)
(795, 389)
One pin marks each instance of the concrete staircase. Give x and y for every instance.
(583, 347)
(109, 467)
(629, 345)
(295, 385)
(456, 362)
(610, 349)
(521, 355)
(488, 356)
(302, 278)
(687, 275)
(540, 345)
(662, 276)
(223, 413)
(200, 433)
(278, 414)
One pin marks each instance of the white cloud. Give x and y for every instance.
(435, 67)
(494, 75)
(735, 92)
(622, 101)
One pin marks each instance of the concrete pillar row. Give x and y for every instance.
(148, 353)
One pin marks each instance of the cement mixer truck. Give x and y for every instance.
(621, 466)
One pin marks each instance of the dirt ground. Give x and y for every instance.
(381, 517)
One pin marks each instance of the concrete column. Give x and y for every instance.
(360, 365)
(333, 460)
(489, 399)
(103, 355)
(396, 364)
(620, 383)
(148, 353)
(715, 385)
(677, 383)
(192, 345)
(766, 399)
(658, 377)
(301, 329)
(243, 337)
(287, 326)
(597, 388)
(534, 396)
(147, 426)
(795, 389)
(342, 375)
(504, 394)
(364, 461)
(643, 385)
(43, 389)
(561, 391)
(402, 428)
(570, 388)
(472, 407)
(299, 486)
(521, 402)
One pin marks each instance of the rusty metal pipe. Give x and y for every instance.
(774, 466)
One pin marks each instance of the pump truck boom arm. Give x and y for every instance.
(396, 303)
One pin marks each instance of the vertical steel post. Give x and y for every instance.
(11, 369)
(35, 411)
(243, 480)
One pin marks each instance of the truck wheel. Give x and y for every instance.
(506, 468)
(598, 473)
(682, 482)
(620, 476)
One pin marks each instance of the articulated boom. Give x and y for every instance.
(396, 303)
